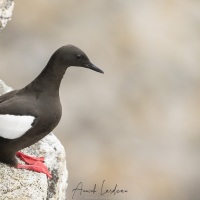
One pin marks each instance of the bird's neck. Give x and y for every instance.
(48, 81)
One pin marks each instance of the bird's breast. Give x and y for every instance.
(49, 114)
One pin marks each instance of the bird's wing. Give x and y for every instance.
(7, 96)
(14, 126)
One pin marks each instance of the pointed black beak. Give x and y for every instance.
(93, 67)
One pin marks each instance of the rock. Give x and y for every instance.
(6, 8)
(4, 88)
(27, 185)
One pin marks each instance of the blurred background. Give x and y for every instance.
(137, 125)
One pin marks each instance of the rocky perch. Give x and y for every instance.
(20, 184)
(6, 8)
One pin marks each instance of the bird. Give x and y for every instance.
(29, 114)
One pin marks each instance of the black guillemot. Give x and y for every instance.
(29, 114)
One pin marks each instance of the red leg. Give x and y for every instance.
(29, 159)
(37, 167)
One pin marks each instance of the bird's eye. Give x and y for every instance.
(79, 56)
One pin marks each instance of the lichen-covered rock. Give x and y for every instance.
(6, 8)
(4, 88)
(20, 184)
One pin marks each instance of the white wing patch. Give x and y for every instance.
(14, 126)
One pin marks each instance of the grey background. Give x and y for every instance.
(138, 124)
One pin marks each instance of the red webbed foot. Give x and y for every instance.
(29, 159)
(37, 167)
(35, 163)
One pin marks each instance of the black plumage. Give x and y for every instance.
(40, 100)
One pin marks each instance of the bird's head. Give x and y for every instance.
(70, 55)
